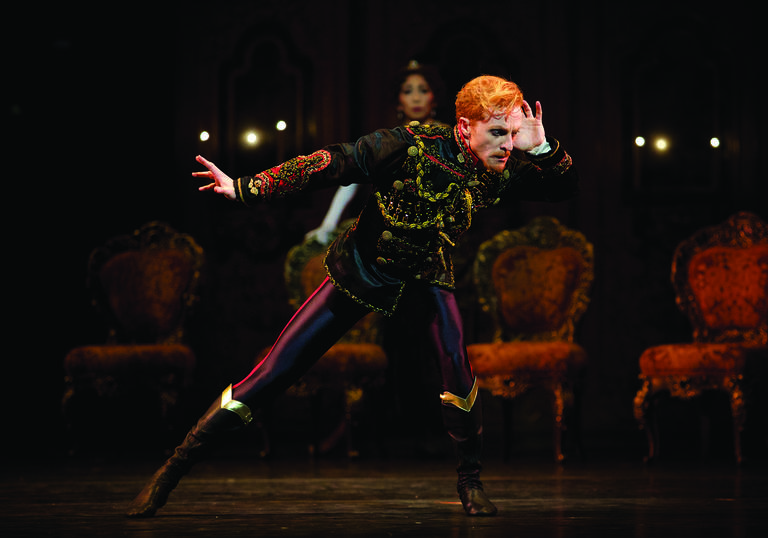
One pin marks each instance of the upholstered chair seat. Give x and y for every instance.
(697, 359)
(543, 359)
(135, 362)
(349, 360)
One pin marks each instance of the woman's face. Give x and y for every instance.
(416, 98)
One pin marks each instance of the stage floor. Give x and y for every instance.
(251, 497)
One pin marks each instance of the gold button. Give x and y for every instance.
(398, 185)
(413, 151)
(460, 158)
(506, 174)
(386, 235)
(414, 123)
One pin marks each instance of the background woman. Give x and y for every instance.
(419, 89)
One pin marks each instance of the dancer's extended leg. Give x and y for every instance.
(315, 327)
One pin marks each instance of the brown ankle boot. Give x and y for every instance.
(470, 488)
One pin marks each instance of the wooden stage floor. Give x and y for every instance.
(236, 496)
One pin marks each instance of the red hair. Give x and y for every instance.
(485, 95)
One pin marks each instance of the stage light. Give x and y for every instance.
(639, 141)
(661, 144)
(281, 125)
(252, 138)
(714, 142)
(205, 136)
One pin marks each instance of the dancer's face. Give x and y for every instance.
(416, 98)
(492, 139)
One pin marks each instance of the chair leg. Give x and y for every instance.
(507, 407)
(642, 403)
(344, 429)
(262, 431)
(738, 414)
(353, 397)
(66, 411)
(565, 410)
(573, 422)
(559, 394)
(333, 438)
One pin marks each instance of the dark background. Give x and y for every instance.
(103, 105)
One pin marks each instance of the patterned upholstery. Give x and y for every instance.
(533, 283)
(355, 364)
(720, 276)
(144, 285)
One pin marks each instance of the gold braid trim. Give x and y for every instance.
(282, 180)
(386, 312)
(239, 187)
(291, 176)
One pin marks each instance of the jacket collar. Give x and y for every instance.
(470, 160)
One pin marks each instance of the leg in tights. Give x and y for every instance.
(461, 406)
(447, 335)
(314, 328)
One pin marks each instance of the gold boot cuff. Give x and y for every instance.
(462, 403)
(239, 408)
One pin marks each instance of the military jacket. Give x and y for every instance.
(426, 186)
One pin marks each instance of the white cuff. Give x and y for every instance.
(544, 147)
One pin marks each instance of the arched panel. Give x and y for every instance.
(266, 82)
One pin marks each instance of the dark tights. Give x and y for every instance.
(325, 317)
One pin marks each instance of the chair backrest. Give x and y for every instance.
(720, 276)
(534, 281)
(305, 271)
(145, 283)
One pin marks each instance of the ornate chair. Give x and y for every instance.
(533, 283)
(720, 277)
(353, 366)
(144, 285)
